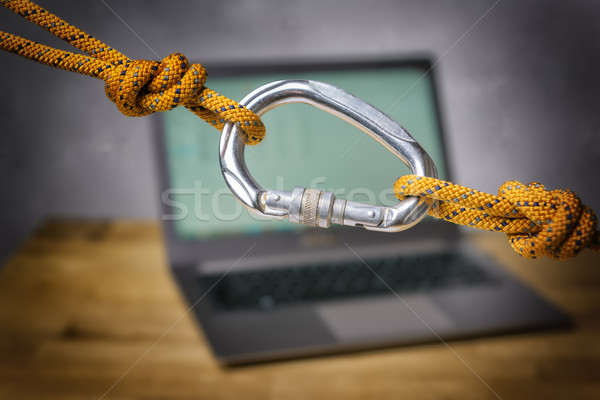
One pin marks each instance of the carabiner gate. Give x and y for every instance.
(315, 207)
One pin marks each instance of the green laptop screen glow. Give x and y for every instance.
(304, 146)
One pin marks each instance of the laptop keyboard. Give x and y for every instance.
(269, 288)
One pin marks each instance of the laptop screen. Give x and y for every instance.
(304, 146)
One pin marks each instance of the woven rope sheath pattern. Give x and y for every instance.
(137, 87)
(537, 221)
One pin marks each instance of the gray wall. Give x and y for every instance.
(519, 91)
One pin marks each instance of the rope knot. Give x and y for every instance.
(538, 222)
(142, 87)
(562, 225)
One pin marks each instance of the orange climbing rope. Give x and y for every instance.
(538, 222)
(138, 87)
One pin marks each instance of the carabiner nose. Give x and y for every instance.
(311, 206)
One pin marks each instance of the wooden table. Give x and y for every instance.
(88, 310)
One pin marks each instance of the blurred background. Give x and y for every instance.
(518, 87)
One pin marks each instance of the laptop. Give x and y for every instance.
(264, 289)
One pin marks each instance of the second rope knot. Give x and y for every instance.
(564, 225)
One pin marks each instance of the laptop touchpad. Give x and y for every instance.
(389, 316)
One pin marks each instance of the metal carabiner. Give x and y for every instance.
(315, 207)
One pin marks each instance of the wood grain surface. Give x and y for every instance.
(88, 310)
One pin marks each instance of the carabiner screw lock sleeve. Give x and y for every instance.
(315, 207)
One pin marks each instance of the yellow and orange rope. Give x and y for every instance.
(138, 87)
(538, 222)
